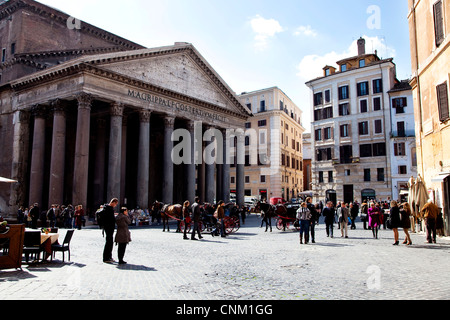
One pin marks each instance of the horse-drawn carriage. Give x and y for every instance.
(207, 224)
(285, 215)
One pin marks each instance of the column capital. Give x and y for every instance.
(84, 100)
(169, 121)
(39, 111)
(57, 106)
(145, 115)
(117, 109)
(191, 126)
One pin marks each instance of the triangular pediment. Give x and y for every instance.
(177, 70)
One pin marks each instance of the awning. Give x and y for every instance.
(441, 177)
(404, 192)
(7, 180)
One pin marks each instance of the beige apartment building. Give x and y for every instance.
(352, 129)
(273, 143)
(429, 25)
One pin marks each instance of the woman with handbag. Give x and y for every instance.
(374, 214)
(123, 235)
(343, 219)
(405, 211)
(394, 223)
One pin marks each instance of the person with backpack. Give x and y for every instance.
(107, 222)
(314, 218)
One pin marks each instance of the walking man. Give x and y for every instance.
(196, 216)
(329, 214)
(430, 212)
(314, 218)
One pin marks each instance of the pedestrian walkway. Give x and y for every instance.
(248, 265)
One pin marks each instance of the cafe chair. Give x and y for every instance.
(65, 246)
(32, 244)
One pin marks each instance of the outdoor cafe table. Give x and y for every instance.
(46, 241)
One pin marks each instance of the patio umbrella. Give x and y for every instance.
(411, 194)
(5, 180)
(421, 195)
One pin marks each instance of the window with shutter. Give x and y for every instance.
(438, 22)
(365, 150)
(363, 106)
(442, 99)
(378, 126)
(364, 128)
(376, 104)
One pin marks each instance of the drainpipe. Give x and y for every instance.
(388, 140)
(419, 94)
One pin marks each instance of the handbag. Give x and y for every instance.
(389, 223)
(296, 224)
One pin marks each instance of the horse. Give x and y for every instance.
(156, 211)
(269, 212)
(174, 212)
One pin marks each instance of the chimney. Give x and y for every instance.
(361, 46)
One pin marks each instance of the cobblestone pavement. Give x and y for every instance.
(248, 265)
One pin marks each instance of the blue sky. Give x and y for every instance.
(256, 44)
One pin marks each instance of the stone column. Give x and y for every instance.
(37, 157)
(19, 160)
(115, 153)
(143, 160)
(57, 166)
(81, 163)
(167, 188)
(123, 171)
(226, 168)
(240, 177)
(210, 189)
(99, 173)
(190, 168)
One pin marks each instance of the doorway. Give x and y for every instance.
(348, 193)
(331, 195)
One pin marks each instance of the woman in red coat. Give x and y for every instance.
(374, 214)
(79, 213)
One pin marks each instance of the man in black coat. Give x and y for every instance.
(329, 214)
(314, 218)
(109, 224)
(34, 214)
(196, 218)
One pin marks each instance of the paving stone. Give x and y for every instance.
(248, 265)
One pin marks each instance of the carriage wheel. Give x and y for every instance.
(237, 225)
(280, 224)
(228, 225)
(183, 225)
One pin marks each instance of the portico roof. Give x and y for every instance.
(138, 67)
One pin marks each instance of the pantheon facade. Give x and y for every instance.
(98, 123)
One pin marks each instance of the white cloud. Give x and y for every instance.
(311, 66)
(264, 30)
(305, 30)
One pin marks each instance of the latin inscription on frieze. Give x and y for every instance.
(176, 106)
